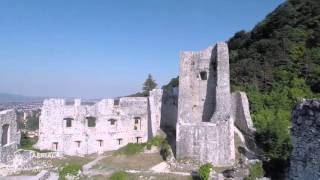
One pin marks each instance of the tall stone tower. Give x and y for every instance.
(205, 126)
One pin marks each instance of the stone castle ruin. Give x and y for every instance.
(10, 135)
(202, 111)
(107, 125)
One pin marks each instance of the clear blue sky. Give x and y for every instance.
(104, 48)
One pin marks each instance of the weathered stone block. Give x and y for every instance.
(305, 137)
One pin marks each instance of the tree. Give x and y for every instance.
(149, 85)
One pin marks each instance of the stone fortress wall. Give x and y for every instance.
(205, 125)
(305, 135)
(107, 125)
(199, 115)
(10, 135)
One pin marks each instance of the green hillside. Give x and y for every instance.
(277, 64)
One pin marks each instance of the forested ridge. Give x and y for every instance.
(277, 64)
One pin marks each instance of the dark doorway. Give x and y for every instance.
(5, 135)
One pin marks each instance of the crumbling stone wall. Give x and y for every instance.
(242, 118)
(155, 105)
(241, 113)
(116, 124)
(205, 130)
(9, 134)
(305, 136)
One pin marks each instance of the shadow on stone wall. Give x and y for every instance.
(210, 100)
(169, 115)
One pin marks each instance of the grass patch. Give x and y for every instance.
(72, 160)
(69, 169)
(140, 161)
(158, 141)
(131, 149)
(256, 171)
(121, 175)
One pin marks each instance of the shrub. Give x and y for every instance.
(121, 175)
(27, 143)
(256, 171)
(165, 150)
(70, 169)
(156, 141)
(161, 142)
(204, 171)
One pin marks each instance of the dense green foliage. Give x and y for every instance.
(174, 82)
(286, 42)
(204, 171)
(256, 171)
(155, 141)
(121, 175)
(69, 169)
(32, 123)
(278, 63)
(149, 85)
(27, 143)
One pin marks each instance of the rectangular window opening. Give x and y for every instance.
(68, 122)
(78, 143)
(116, 102)
(55, 146)
(138, 139)
(119, 141)
(100, 142)
(112, 122)
(203, 75)
(137, 123)
(91, 121)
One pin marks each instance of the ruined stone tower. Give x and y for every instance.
(205, 124)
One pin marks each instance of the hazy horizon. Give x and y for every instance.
(106, 49)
